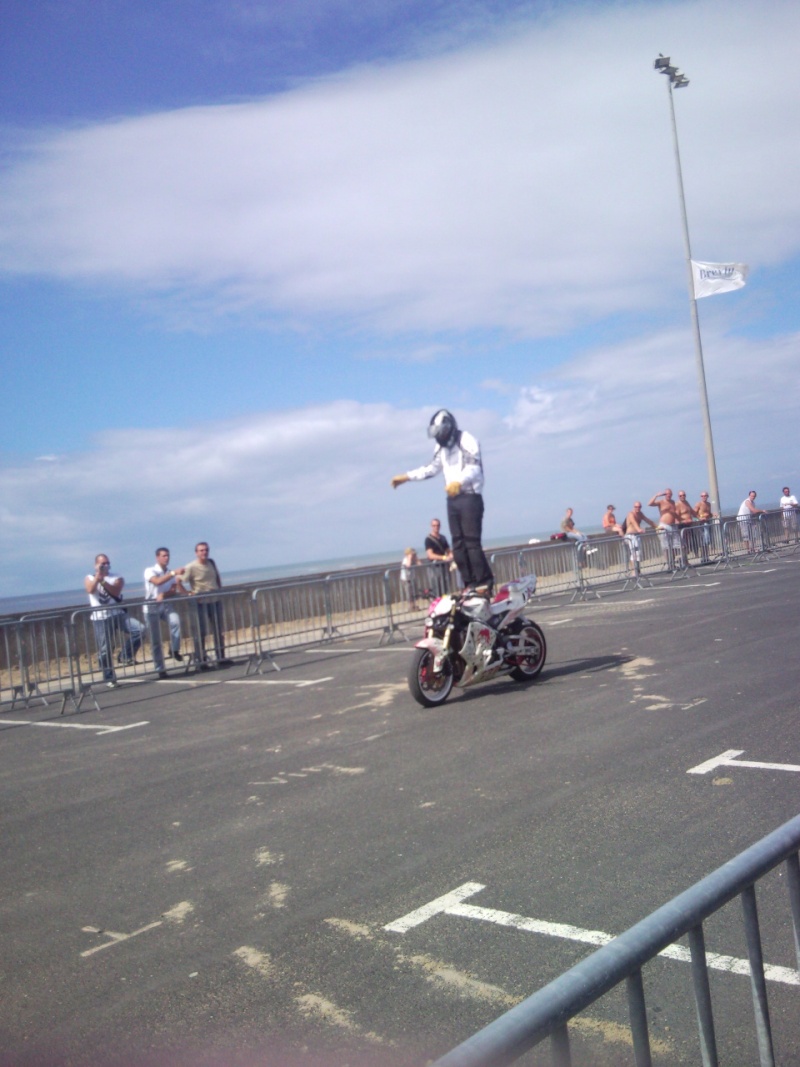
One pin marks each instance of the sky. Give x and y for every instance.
(247, 248)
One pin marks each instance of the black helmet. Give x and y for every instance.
(443, 428)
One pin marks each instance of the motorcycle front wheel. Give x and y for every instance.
(429, 687)
(532, 651)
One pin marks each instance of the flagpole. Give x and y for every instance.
(674, 77)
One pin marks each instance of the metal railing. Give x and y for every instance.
(547, 1012)
(43, 659)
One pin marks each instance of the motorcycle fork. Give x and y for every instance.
(448, 632)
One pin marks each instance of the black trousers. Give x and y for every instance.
(465, 516)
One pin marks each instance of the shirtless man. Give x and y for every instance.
(686, 516)
(633, 529)
(702, 510)
(684, 510)
(667, 524)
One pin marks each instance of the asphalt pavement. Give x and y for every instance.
(204, 870)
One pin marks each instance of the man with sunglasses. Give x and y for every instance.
(702, 510)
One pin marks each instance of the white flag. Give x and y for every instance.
(711, 278)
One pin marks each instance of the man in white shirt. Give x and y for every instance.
(110, 621)
(458, 456)
(160, 584)
(789, 507)
(747, 512)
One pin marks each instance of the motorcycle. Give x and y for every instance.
(470, 639)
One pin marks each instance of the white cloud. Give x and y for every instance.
(314, 483)
(525, 184)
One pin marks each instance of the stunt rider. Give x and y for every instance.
(458, 454)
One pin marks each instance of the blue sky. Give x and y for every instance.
(246, 249)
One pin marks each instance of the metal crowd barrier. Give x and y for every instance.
(13, 683)
(288, 615)
(46, 659)
(743, 538)
(703, 543)
(547, 1012)
(783, 528)
(45, 654)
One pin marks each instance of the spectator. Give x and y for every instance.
(568, 527)
(202, 577)
(437, 551)
(746, 513)
(111, 622)
(667, 524)
(686, 516)
(789, 507)
(408, 577)
(702, 510)
(610, 524)
(633, 531)
(160, 585)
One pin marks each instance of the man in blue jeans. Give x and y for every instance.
(110, 621)
(160, 584)
(458, 456)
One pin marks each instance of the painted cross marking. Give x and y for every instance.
(730, 759)
(452, 904)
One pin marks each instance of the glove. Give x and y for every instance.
(399, 479)
(453, 488)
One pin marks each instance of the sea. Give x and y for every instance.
(67, 598)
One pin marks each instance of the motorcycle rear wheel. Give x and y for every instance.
(428, 687)
(534, 651)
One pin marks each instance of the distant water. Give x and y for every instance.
(20, 605)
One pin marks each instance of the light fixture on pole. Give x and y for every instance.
(676, 80)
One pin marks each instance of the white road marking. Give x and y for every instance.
(191, 681)
(97, 727)
(334, 651)
(115, 938)
(278, 681)
(557, 622)
(452, 904)
(436, 907)
(729, 759)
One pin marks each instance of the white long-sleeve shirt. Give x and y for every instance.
(460, 463)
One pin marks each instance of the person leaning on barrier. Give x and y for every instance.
(667, 524)
(702, 510)
(569, 528)
(748, 510)
(203, 577)
(437, 550)
(110, 621)
(789, 508)
(633, 531)
(160, 584)
(610, 524)
(683, 509)
(407, 576)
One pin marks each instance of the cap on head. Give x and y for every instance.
(443, 428)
